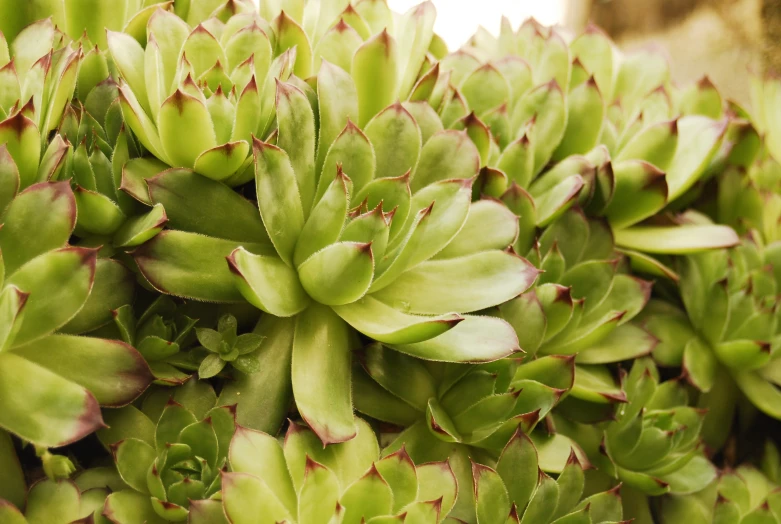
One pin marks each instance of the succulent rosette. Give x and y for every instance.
(458, 412)
(370, 234)
(301, 481)
(727, 339)
(516, 490)
(741, 495)
(217, 80)
(170, 452)
(582, 305)
(652, 446)
(560, 124)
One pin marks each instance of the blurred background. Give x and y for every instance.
(726, 38)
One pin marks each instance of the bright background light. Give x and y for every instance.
(457, 20)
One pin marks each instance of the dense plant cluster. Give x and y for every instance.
(303, 264)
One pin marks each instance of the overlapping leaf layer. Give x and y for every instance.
(300, 263)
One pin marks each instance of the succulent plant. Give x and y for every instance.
(455, 245)
(216, 80)
(48, 292)
(742, 495)
(170, 456)
(376, 250)
(581, 123)
(516, 491)
(159, 333)
(301, 481)
(457, 411)
(727, 340)
(65, 501)
(653, 444)
(582, 305)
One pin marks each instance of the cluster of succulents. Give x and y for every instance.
(544, 276)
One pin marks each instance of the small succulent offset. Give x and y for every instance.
(171, 458)
(302, 482)
(160, 333)
(226, 347)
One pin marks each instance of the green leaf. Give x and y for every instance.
(249, 500)
(437, 480)
(396, 139)
(554, 202)
(437, 213)
(338, 274)
(113, 288)
(493, 503)
(699, 139)
(398, 470)
(392, 326)
(271, 385)
(319, 494)
(98, 214)
(337, 104)
(571, 483)
(278, 198)
(489, 225)
(23, 141)
(43, 407)
(640, 192)
(547, 103)
(59, 283)
(447, 155)
(316, 371)
(289, 35)
(355, 153)
(188, 197)
(52, 228)
(585, 114)
(128, 506)
(53, 501)
(173, 420)
(134, 458)
(367, 497)
(13, 487)
(206, 512)
(135, 172)
(404, 377)
(211, 366)
(655, 144)
(297, 137)
(463, 284)
(626, 342)
(700, 364)
(475, 339)
(191, 265)
(676, 240)
(375, 72)
(111, 370)
(268, 283)
(221, 162)
(261, 455)
(326, 222)
(10, 514)
(517, 466)
(542, 505)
